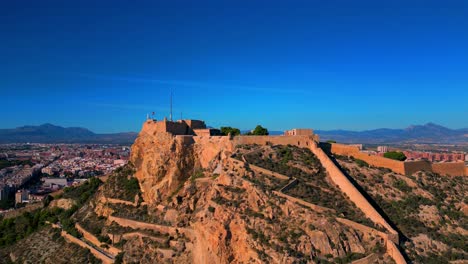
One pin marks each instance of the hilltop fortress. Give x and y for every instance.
(167, 153)
(185, 145)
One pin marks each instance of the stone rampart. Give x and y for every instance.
(300, 141)
(415, 166)
(377, 161)
(372, 258)
(314, 207)
(116, 238)
(117, 201)
(406, 167)
(173, 231)
(350, 190)
(334, 172)
(450, 168)
(394, 252)
(105, 259)
(142, 225)
(17, 212)
(364, 228)
(94, 240)
(268, 172)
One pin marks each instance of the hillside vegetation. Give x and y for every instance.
(429, 210)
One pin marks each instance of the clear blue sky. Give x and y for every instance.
(321, 64)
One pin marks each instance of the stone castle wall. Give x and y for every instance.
(415, 166)
(377, 161)
(394, 252)
(105, 259)
(351, 191)
(450, 168)
(91, 238)
(401, 167)
(300, 141)
(345, 185)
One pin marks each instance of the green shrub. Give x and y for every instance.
(361, 163)
(396, 155)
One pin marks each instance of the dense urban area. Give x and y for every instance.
(30, 172)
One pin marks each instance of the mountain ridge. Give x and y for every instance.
(49, 133)
(427, 133)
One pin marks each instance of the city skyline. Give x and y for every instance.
(334, 65)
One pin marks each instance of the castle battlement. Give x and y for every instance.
(186, 127)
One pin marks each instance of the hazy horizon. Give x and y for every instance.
(242, 129)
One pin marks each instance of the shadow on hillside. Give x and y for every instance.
(326, 147)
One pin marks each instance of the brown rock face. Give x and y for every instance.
(162, 164)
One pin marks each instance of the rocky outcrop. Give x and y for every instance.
(63, 203)
(162, 164)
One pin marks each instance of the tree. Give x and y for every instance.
(396, 155)
(259, 131)
(226, 130)
(331, 141)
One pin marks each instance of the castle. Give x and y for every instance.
(185, 127)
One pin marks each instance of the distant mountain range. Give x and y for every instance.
(428, 133)
(48, 133)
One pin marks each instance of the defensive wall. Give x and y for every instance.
(347, 187)
(94, 240)
(311, 206)
(401, 167)
(300, 141)
(105, 259)
(173, 231)
(372, 258)
(334, 172)
(268, 172)
(450, 168)
(117, 201)
(351, 191)
(117, 238)
(415, 166)
(377, 161)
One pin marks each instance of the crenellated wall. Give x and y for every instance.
(300, 141)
